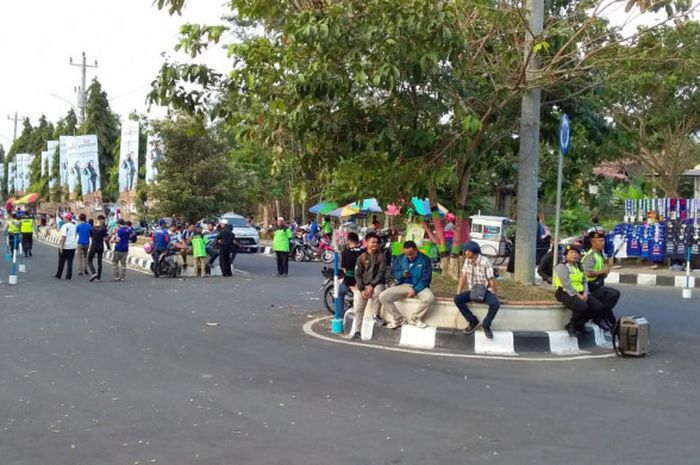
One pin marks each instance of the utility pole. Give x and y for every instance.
(15, 118)
(82, 92)
(529, 154)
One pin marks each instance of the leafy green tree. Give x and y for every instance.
(66, 126)
(193, 175)
(101, 121)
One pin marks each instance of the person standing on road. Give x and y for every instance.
(225, 241)
(66, 247)
(199, 251)
(413, 273)
(370, 276)
(212, 252)
(161, 239)
(26, 226)
(98, 239)
(478, 278)
(83, 229)
(280, 245)
(572, 290)
(596, 270)
(12, 230)
(121, 250)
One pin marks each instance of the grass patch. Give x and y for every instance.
(444, 286)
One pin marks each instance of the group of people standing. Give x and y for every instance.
(88, 239)
(19, 229)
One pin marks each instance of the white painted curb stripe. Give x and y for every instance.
(680, 281)
(561, 343)
(422, 338)
(646, 279)
(501, 344)
(612, 278)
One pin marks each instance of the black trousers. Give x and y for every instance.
(582, 311)
(91, 255)
(27, 243)
(225, 261)
(65, 259)
(608, 297)
(282, 263)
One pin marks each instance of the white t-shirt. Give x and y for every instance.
(68, 231)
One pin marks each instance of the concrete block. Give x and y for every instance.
(646, 279)
(680, 281)
(612, 278)
(501, 344)
(423, 338)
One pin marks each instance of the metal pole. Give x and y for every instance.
(555, 248)
(337, 323)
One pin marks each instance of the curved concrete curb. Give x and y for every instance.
(319, 328)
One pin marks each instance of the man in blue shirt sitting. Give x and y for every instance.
(412, 272)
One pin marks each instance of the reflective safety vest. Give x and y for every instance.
(597, 266)
(13, 227)
(576, 276)
(26, 225)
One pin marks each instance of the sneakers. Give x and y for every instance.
(394, 324)
(487, 332)
(419, 323)
(93, 277)
(379, 320)
(471, 328)
(357, 336)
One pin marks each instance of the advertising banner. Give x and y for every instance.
(51, 147)
(85, 153)
(44, 162)
(154, 153)
(11, 175)
(22, 171)
(73, 164)
(63, 142)
(129, 156)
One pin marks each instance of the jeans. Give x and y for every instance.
(65, 259)
(213, 254)
(91, 256)
(491, 300)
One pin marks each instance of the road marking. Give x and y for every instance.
(308, 329)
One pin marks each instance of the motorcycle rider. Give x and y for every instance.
(161, 239)
(370, 275)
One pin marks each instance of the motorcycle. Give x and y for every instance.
(327, 292)
(168, 264)
(303, 250)
(298, 249)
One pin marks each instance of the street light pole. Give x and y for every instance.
(529, 154)
(82, 93)
(15, 118)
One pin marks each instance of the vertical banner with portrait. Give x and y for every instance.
(51, 147)
(154, 154)
(86, 151)
(129, 156)
(63, 142)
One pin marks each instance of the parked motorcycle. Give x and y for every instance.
(168, 264)
(327, 292)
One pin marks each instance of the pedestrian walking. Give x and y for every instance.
(480, 281)
(121, 250)
(98, 239)
(199, 251)
(26, 225)
(280, 245)
(66, 247)
(12, 230)
(83, 229)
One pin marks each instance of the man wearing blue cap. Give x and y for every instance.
(479, 279)
(160, 239)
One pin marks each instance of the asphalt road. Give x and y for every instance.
(129, 373)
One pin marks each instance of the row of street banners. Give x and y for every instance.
(79, 163)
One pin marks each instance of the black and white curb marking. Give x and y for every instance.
(649, 279)
(507, 343)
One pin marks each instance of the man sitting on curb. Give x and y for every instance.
(477, 274)
(596, 271)
(413, 272)
(370, 279)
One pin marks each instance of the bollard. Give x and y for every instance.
(22, 266)
(337, 322)
(13, 269)
(687, 291)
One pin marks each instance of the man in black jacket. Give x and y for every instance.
(370, 278)
(225, 240)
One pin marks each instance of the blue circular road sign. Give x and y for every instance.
(564, 135)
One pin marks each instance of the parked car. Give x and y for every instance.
(246, 235)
